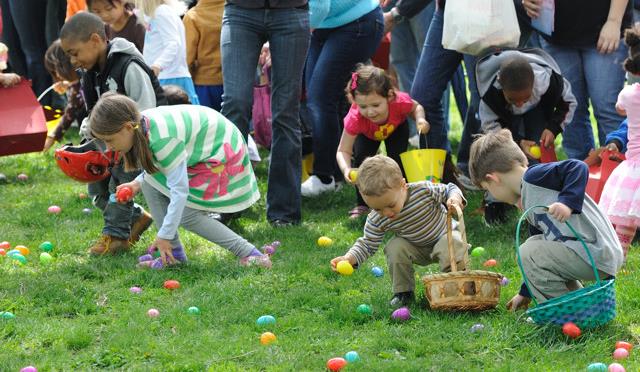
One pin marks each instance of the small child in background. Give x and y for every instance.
(554, 261)
(378, 113)
(120, 19)
(184, 177)
(175, 95)
(415, 213)
(202, 25)
(7, 79)
(67, 82)
(620, 198)
(165, 44)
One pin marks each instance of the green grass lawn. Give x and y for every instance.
(78, 314)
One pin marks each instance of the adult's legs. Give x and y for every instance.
(12, 40)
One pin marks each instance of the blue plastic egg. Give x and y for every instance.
(266, 320)
(597, 367)
(377, 271)
(352, 356)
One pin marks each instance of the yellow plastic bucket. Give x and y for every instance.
(307, 166)
(425, 164)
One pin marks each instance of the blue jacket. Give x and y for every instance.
(620, 136)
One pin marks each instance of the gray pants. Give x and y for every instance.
(118, 217)
(196, 221)
(401, 255)
(552, 268)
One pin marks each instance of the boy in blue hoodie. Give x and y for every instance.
(554, 261)
(114, 65)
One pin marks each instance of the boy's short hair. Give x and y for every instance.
(494, 152)
(377, 175)
(516, 74)
(81, 26)
(176, 95)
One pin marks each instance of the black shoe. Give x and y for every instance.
(282, 223)
(401, 299)
(496, 213)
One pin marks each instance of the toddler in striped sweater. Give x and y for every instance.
(416, 213)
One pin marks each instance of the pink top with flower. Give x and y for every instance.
(399, 109)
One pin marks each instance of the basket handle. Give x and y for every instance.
(463, 232)
(575, 233)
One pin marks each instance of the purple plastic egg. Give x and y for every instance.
(504, 281)
(29, 369)
(402, 313)
(269, 249)
(135, 290)
(145, 257)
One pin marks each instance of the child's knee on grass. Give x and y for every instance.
(441, 252)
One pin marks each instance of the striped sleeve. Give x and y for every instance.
(168, 153)
(441, 192)
(367, 245)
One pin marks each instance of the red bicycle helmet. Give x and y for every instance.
(85, 163)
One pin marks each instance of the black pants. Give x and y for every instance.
(396, 144)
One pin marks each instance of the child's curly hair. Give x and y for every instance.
(58, 63)
(368, 79)
(632, 39)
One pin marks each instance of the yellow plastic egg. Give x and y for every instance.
(353, 175)
(535, 151)
(23, 250)
(324, 241)
(267, 338)
(344, 267)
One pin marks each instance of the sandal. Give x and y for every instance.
(360, 210)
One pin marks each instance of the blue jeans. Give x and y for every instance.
(118, 217)
(210, 95)
(596, 77)
(436, 67)
(333, 54)
(243, 33)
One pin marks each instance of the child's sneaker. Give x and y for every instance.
(261, 261)
(147, 260)
(402, 299)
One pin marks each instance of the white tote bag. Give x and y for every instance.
(472, 26)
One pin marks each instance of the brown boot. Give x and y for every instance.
(139, 227)
(109, 244)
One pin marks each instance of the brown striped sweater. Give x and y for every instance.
(422, 220)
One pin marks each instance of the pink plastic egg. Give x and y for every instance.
(29, 369)
(135, 290)
(620, 353)
(153, 313)
(54, 209)
(616, 367)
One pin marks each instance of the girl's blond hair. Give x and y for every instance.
(110, 114)
(148, 7)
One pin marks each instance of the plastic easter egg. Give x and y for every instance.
(377, 271)
(23, 250)
(54, 209)
(153, 313)
(82, 195)
(266, 320)
(135, 290)
(124, 194)
(401, 314)
(269, 249)
(624, 345)
(145, 258)
(477, 328)
(112, 198)
(477, 252)
(267, 338)
(490, 263)
(193, 310)
(22, 177)
(86, 210)
(535, 151)
(364, 309)
(597, 367)
(5, 245)
(45, 258)
(353, 175)
(7, 315)
(620, 353)
(29, 369)
(504, 281)
(276, 244)
(324, 241)
(19, 258)
(352, 356)
(171, 284)
(3, 252)
(616, 367)
(13, 252)
(336, 364)
(344, 268)
(571, 330)
(46, 246)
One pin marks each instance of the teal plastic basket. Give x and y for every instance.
(588, 307)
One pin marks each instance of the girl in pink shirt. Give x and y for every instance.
(378, 113)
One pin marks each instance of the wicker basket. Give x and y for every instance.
(588, 307)
(461, 290)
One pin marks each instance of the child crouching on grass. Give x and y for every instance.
(415, 213)
(195, 162)
(554, 261)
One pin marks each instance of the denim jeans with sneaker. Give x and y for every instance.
(196, 221)
(118, 217)
(244, 31)
(436, 67)
(595, 78)
(333, 54)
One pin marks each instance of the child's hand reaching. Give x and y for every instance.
(164, 246)
(518, 302)
(455, 201)
(347, 257)
(547, 138)
(560, 211)
(423, 126)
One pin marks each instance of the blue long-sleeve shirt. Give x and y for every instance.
(620, 136)
(336, 13)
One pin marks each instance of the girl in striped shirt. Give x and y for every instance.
(195, 161)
